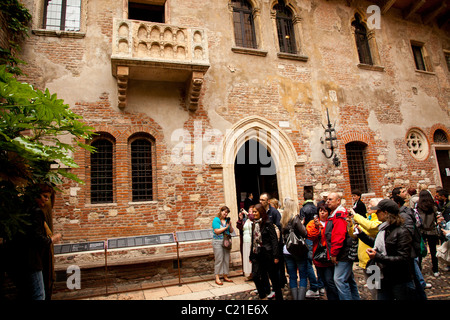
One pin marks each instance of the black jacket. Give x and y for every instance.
(269, 249)
(444, 208)
(308, 211)
(396, 265)
(360, 208)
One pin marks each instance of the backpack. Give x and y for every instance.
(419, 221)
(418, 242)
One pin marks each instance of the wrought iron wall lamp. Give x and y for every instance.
(330, 142)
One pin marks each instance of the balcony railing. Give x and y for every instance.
(159, 52)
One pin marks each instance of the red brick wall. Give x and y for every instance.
(173, 208)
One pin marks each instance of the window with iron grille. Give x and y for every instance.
(362, 41)
(102, 172)
(244, 27)
(62, 15)
(285, 28)
(418, 57)
(357, 165)
(141, 170)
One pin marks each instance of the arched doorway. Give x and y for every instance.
(255, 172)
(275, 140)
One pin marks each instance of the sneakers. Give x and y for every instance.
(427, 286)
(322, 291)
(312, 294)
(271, 295)
(436, 274)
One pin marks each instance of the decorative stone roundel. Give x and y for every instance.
(417, 144)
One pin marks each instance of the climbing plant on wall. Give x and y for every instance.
(32, 124)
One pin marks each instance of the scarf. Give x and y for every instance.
(380, 245)
(257, 240)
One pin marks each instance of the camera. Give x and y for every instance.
(227, 219)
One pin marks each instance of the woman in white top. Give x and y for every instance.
(247, 243)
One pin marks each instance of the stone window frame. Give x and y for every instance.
(145, 136)
(37, 23)
(417, 144)
(373, 46)
(296, 20)
(425, 56)
(257, 29)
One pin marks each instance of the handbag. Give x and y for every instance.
(321, 253)
(227, 241)
(296, 245)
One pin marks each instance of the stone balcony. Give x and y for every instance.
(144, 50)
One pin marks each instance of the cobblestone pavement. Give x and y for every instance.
(440, 289)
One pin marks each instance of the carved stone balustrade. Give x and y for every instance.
(144, 50)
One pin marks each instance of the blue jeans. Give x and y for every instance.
(327, 276)
(292, 265)
(314, 282)
(345, 281)
(37, 285)
(419, 273)
(418, 285)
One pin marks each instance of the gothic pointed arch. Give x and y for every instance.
(365, 42)
(274, 140)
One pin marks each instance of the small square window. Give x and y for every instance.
(146, 12)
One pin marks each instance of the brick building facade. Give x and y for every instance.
(193, 88)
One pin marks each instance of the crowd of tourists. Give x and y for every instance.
(319, 243)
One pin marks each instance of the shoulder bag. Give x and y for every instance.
(227, 241)
(321, 253)
(295, 245)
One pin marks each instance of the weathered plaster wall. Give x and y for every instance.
(375, 107)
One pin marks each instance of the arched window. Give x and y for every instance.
(141, 170)
(356, 160)
(244, 26)
(362, 41)
(102, 171)
(285, 28)
(440, 136)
